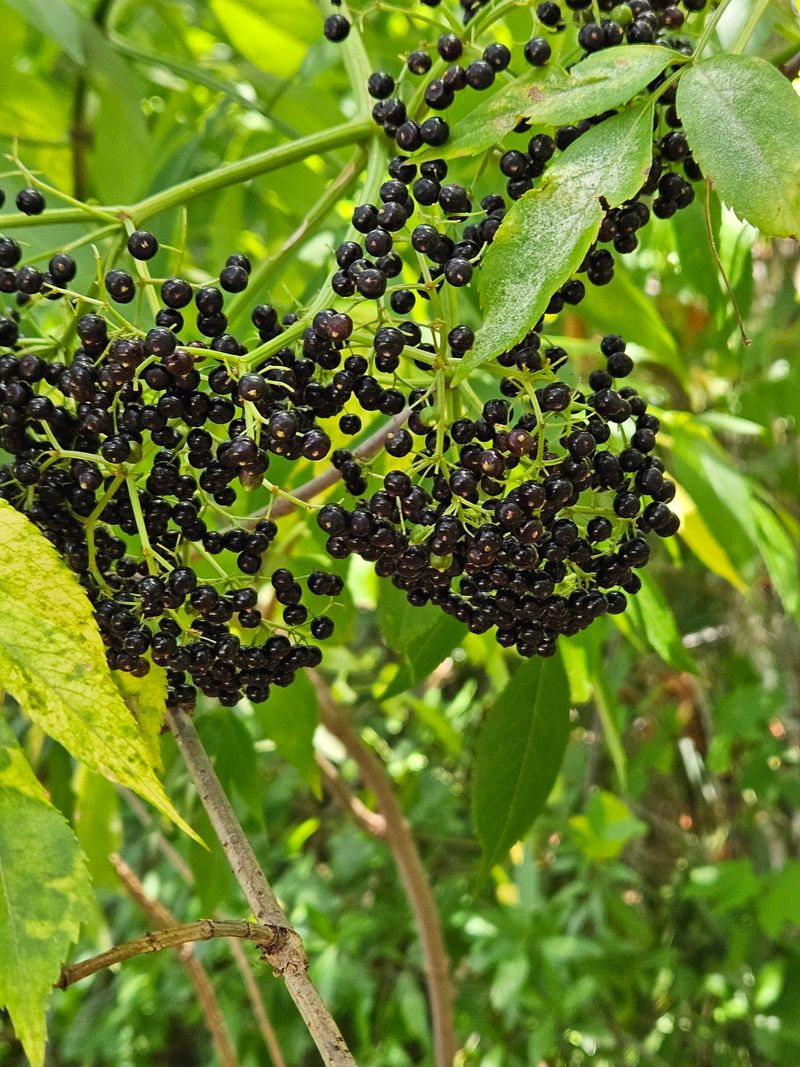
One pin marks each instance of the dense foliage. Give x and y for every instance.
(352, 367)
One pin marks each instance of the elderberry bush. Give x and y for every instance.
(524, 504)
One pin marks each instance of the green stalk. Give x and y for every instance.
(747, 30)
(354, 132)
(270, 266)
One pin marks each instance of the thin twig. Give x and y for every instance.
(371, 821)
(278, 509)
(256, 1002)
(287, 957)
(201, 983)
(412, 873)
(241, 961)
(715, 256)
(170, 937)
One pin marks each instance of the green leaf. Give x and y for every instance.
(97, 825)
(548, 96)
(519, 753)
(777, 905)
(742, 119)
(44, 896)
(779, 553)
(547, 232)
(651, 617)
(606, 827)
(120, 130)
(289, 719)
(52, 662)
(423, 637)
(147, 700)
(696, 534)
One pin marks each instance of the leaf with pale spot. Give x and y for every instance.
(44, 896)
(53, 663)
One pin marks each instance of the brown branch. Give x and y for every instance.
(257, 1004)
(370, 821)
(241, 961)
(201, 983)
(170, 937)
(283, 506)
(412, 873)
(791, 68)
(287, 956)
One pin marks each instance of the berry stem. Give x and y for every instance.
(266, 270)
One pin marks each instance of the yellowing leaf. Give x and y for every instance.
(702, 542)
(52, 662)
(147, 699)
(44, 896)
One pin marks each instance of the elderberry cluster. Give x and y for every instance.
(131, 444)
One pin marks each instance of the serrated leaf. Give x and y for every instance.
(742, 120)
(547, 232)
(518, 756)
(53, 663)
(548, 96)
(44, 896)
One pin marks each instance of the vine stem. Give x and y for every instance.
(410, 868)
(286, 955)
(354, 132)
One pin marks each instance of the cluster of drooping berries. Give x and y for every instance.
(133, 443)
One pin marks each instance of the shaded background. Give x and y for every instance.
(649, 918)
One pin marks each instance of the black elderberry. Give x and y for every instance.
(233, 278)
(549, 14)
(497, 56)
(419, 62)
(142, 244)
(120, 286)
(480, 74)
(336, 27)
(380, 85)
(537, 51)
(30, 201)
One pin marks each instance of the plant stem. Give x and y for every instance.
(242, 170)
(716, 257)
(286, 957)
(280, 257)
(353, 132)
(710, 26)
(179, 865)
(748, 28)
(365, 451)
(412, 873)
(170, 937)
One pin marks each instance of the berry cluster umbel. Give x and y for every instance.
(527, 513)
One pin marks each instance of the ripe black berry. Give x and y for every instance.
(142, 244)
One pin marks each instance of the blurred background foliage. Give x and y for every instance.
(650, 916)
